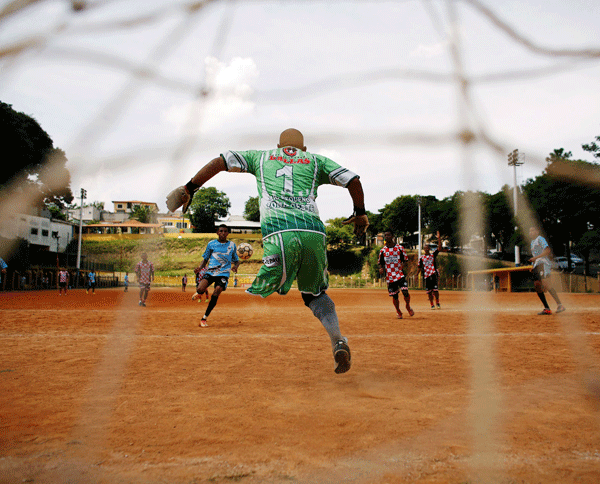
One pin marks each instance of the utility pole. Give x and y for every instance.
(513, 160)
(419, 225)
(83, 196)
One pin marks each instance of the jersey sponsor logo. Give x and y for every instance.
(272, 260)
(290, 151)
(295, 161)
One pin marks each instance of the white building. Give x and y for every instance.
(51, 235)
(88, 214)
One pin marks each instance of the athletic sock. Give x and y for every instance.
(324, 310)
(211, 305)
(542, 297)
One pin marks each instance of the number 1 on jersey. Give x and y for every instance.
(288, 180)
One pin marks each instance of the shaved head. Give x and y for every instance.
(291, 137)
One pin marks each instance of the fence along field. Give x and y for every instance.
(118, 339)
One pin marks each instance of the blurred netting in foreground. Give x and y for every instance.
(469, 132)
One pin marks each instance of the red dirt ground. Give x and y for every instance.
(97, 389)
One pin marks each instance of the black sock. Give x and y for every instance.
(211, 305)
(542, 297)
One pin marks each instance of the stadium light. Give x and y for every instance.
(513, 160)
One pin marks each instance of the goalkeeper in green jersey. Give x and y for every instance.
(294, 238)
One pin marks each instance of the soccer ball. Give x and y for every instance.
(244, 251)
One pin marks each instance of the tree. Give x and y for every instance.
(339, 236)
(35, 164)
(252, 210)
(444, 218)
(141, 213)
(593, 147)
(207, 206)
(589, 242)
(500, 217)
(565, 203)
(400, 216)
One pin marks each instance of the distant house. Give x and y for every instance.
(239, 225)
(89, 213)
(127, 206)
(127, 227)
(173, 221)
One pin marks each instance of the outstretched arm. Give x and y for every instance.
(183, 195)
(359, 217)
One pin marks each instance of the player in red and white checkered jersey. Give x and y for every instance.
(144, 271)
(63, 281)
(428, 266)
(391, 259)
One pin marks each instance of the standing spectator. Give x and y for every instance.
(63, 281)
(91, 282)
(144, 271)
(126, 281)
(183, 282)
(3, 267)
(391, 259)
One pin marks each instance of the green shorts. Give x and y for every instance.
(289, 256)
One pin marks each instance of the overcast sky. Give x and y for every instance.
(141, 93)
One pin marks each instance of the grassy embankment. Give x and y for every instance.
(175, 257)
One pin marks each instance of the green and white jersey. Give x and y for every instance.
(287, 180)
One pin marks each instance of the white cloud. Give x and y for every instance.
(229, 89)
(429, 51)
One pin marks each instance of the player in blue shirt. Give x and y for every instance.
(540, 260)
(220, 258)
(91, 282)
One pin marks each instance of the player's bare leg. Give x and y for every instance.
(201, 288)
(436, 294)
(396, 303)
(407, 302)
(548, 287)
(430, 297)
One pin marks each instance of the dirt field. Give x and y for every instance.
(95, 389)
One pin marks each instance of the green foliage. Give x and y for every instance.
(56, 212)
(141, 213)
(208, 205)
(35, 164)
(252, 210)
(593, 147)
(339, 236)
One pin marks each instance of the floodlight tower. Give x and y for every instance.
(513, 160)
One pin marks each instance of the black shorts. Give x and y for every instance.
(395, 287)
(62, 284)
(431, 282)
(217, 281)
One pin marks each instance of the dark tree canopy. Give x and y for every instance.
(252, 210)
(207, 206)
(33, 162)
